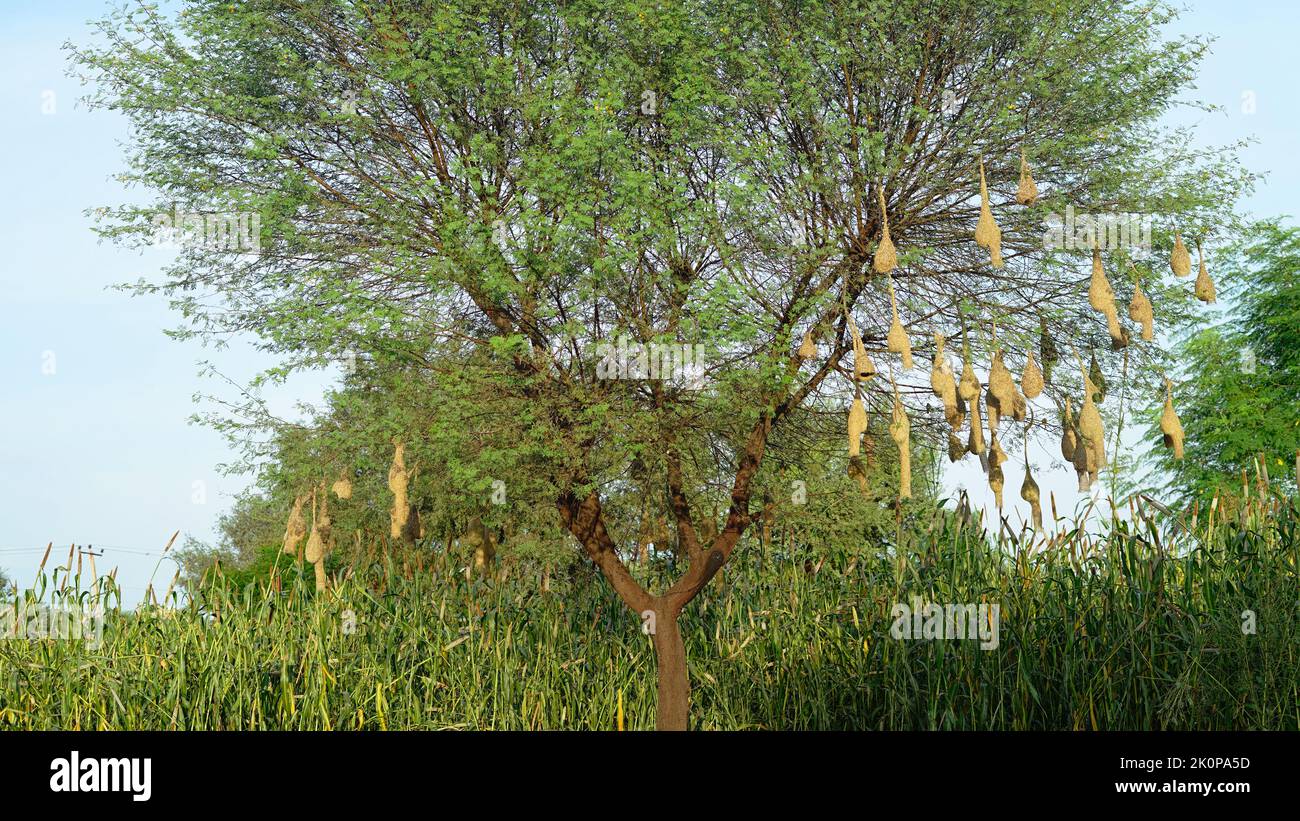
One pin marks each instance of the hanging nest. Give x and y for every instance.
(1027, 191)
(1085, 467)
(342, 488)
(943, 383)
(1083, 456)
(1180, 262)
(863, 369)
(399, 480)
(320, 542)
(413, 530)
(857, 426)
(1170, 425)
(897, 339)
(1118, 334)
(1101, 296)
(1094, 374)
(1031, 381)
(996, 480)
(1047, 350)
(857, 471)
(975, 441)
(1204, 285)
(1002, 396)
(1069, 437)
(1091, 434)
(1139, 310)
(987, 233)
(807, 348)
(1030, 493)
(900, 430)
(956, 450)
(969, 387)
(968, 390)
(296, 528)
(886, 258)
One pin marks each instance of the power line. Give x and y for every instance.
(114, 548)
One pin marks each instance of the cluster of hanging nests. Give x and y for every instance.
(319, 539)
(1083, 437)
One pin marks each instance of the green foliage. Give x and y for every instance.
(1237, 387)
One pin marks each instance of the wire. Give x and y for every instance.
(56, 548)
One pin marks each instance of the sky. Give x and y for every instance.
(95, 443)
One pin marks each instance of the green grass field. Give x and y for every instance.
(1130, 629)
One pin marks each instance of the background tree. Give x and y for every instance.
(506, 187)
(1236, 383)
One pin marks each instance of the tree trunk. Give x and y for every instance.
(674, 683)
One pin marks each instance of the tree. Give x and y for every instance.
(1236, 383)
(498, 192)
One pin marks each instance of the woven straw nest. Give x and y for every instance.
(807, 348)
(1031, 380)
(1027, 190)
(1101, 296)
(1171, 427)
(1003, 397)
(1069, 435)
(1204, 285)
(318, 542)
(296, 528)
(944, 384)
(987, 233)
(1092, 438)
(342, 488)
(886, 258)
(1030, 493)
(399, 480)
(857, 471)
(900, 430)
(996, 480)
(1180, 262)
(1047, 350)
(1098, 393)
(1139, 310)
(863, 368)
(897, 339)
(857, 425)
(968, 389)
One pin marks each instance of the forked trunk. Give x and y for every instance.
(674, 684)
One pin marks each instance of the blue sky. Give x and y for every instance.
(95, 447)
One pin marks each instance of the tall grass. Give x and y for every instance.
(1138, 627)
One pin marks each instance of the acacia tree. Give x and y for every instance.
(508, 186)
